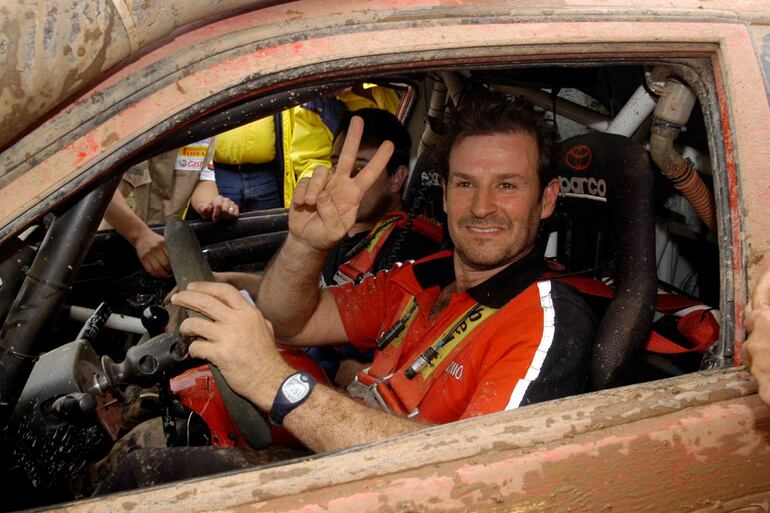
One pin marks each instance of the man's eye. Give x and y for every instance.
(462, 184)
(507, 186)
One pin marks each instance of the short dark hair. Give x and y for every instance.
(492, 113)
(380, 126)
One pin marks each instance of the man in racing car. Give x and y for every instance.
(457, 334)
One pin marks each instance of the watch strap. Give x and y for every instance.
(294, 391)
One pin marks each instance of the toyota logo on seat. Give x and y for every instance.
(579, 158)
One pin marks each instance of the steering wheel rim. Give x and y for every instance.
(189, 264)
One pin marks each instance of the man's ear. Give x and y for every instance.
(548, 203)
(398, 179)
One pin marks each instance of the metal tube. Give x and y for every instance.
(453, 84)
(435, 113)
(117, 322)
(636, 110)
(41, 295)
(247, 249)
(564, 108)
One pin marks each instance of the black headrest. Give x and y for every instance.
(606, 198)
(424, 193)
(606, 195)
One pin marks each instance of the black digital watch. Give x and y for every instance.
(293, 391)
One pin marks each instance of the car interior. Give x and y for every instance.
(636, 231)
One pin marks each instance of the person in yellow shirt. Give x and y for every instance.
(258, 165)
(250, 160)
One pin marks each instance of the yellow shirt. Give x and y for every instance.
(253, 143)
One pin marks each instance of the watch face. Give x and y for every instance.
(295, 388)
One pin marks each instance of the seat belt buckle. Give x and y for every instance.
(376, 393)
(367, 392)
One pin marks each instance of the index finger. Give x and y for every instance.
(347, 161)
(224, 292)
(760, 297)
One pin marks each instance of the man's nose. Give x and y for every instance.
(483, 203)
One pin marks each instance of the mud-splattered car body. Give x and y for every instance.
(698, 442)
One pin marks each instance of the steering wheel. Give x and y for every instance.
(188, 265)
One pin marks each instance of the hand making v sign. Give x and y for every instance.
(324, 207)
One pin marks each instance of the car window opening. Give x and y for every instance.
(634, 231)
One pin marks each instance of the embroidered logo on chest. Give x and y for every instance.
(455, 370)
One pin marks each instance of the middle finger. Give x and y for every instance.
(375, 167)
(200, 328)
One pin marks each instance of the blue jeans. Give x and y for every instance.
(255, 188)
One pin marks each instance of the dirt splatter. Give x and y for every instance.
(111, 138)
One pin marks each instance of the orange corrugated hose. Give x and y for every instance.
(671, 115)
(686, 180)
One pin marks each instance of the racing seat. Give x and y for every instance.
(605, 221)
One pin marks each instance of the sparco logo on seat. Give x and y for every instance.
(582, 187)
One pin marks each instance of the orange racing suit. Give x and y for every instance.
(508, 342)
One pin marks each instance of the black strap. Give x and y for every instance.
(279, 162)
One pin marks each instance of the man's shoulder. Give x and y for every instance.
(570, 304)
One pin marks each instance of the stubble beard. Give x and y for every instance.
(485, 254)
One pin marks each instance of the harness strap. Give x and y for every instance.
(413, 382)
(453, 341)
(695, 323)
(699, 327)
(363, 261)
(388, 357)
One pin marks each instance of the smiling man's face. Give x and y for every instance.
(493, 200)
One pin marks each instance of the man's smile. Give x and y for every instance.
(484, 229)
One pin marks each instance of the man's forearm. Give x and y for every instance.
(289, 292)
(330, 421)
(241, 341)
